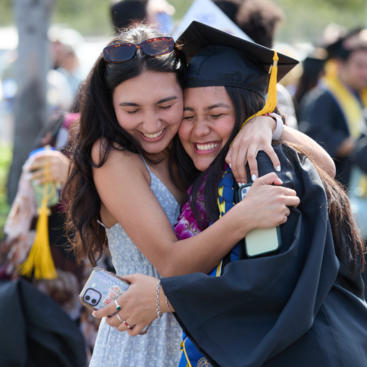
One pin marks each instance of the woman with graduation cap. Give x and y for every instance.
(301, 305)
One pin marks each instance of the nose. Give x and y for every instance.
(201, 128)
(151, 122)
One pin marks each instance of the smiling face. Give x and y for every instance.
(149, 107)
(208, 122)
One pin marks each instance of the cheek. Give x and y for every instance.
(184, 132)
(173, 116)
(224, 128)
(127, 121)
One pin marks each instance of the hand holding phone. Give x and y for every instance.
(259, 241)
(101, 289)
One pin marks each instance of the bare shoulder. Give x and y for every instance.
(117, 161)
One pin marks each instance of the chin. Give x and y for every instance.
(157, 147)
(202, 165)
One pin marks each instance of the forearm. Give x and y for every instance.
(201, 253)
(312, 149)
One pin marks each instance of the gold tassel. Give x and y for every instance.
(272, 99)
(40, 257)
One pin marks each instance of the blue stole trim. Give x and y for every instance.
(191, 357)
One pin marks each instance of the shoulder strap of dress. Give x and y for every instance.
(99, 222)
(146, 164)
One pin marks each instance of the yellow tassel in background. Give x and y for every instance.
(40, 259)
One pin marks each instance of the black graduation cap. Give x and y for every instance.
(217, 58)
(354, 40)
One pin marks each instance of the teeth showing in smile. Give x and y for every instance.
(152, 136)
(210, 146)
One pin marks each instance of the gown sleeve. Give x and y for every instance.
(260, 306)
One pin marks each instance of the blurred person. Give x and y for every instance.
(229, 8)
(127, 13)
(161, 12)
(313, 71)
(69, 67)
(21, 230)
(332, 113)
(260, 19)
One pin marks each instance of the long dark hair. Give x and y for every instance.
(98, 121)
(349, 246)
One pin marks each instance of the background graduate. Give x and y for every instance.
(302, 305)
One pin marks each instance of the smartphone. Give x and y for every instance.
(101, 289)
(259, 242)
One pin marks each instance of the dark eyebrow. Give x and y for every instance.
(188, 109)
(128, 104)
(217, 105)
(167, 99)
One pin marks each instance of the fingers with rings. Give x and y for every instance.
(118, 307)
(119, 317)
(126, 324)
(123, 321)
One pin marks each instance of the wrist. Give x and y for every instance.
(243, 221)
(162, 301)
(279, 126)
(273, 122)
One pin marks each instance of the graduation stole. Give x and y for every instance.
(191, 357)
(348, 103)
(351, 109)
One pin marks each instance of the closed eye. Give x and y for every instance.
(216, 116)
(132, 112)
(188, 117)
(165, 107)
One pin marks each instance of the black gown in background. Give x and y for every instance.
(298, 307)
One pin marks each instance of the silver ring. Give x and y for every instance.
(119, 317)
(118, 307)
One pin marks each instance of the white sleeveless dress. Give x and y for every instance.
(160, 347)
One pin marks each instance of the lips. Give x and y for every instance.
(207, 147)
(153, 137)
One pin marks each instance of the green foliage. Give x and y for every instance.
(5, 160)
(305, 19)
(6, 14)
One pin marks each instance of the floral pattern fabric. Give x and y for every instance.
(186, 225)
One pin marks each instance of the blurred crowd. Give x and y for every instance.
(324, 97)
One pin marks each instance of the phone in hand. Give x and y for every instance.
(102, 288)
(259, 241)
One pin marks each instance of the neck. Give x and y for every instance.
(164, 154)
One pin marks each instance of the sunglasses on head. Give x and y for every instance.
(126, 51)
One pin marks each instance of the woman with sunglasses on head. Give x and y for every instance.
(131, 109)
(301, 305)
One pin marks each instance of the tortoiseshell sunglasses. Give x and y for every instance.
(125, 51)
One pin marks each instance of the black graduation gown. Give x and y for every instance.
(298, 307)
(322, 119)
(35, 331)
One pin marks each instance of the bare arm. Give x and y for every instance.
(313, 149)
(256, 135)
(124, 190)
